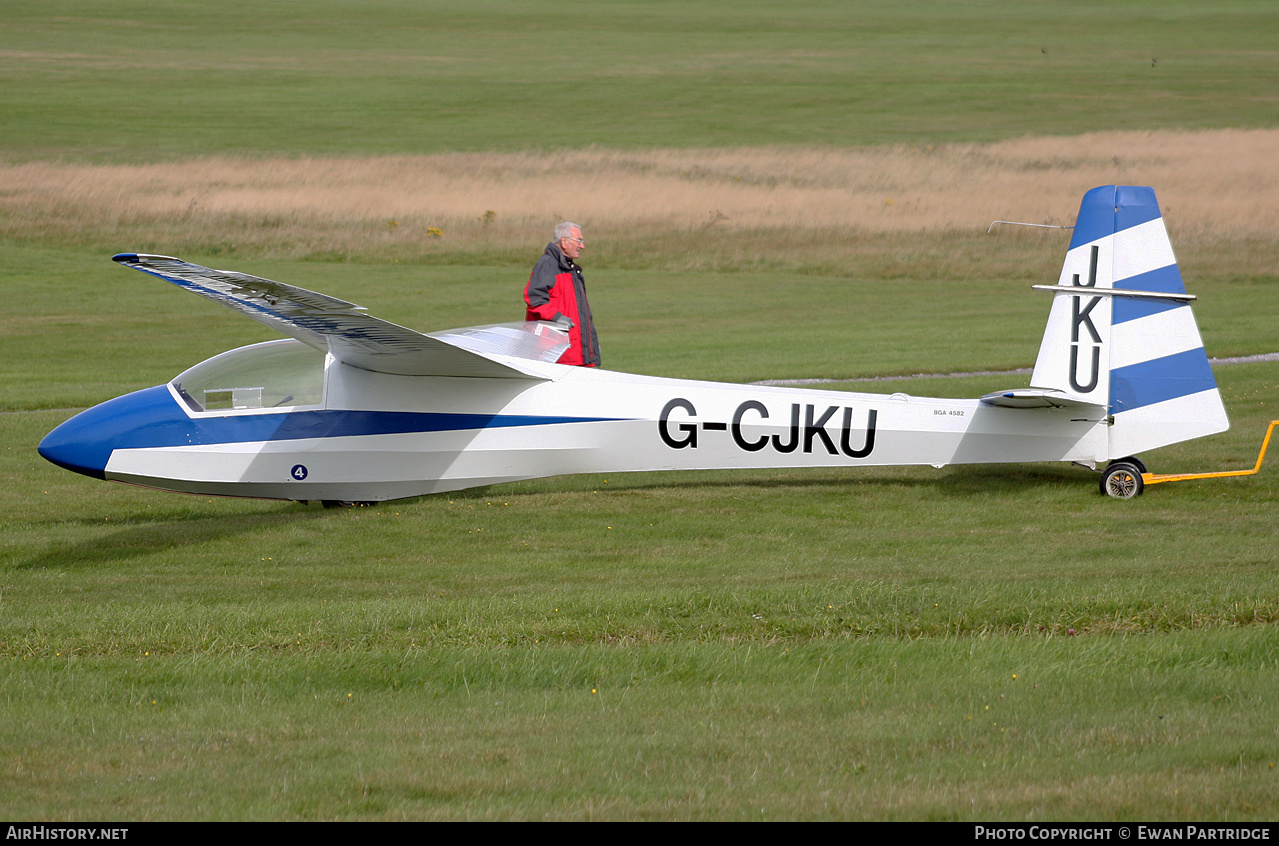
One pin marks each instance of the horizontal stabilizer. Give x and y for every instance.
(1120, 292)
(1036, 398)
(360, 340)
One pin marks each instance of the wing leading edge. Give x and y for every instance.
(504, 351)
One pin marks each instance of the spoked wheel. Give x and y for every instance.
(1122, 480)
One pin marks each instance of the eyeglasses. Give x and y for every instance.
(576, 241)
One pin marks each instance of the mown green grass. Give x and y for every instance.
(148, 78)
(740, 645)
(888, 644)
(894, 643)
(1175, 727)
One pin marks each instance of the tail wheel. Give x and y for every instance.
(1133, 460)
(1122, 480)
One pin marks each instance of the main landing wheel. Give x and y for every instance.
(1122, 480)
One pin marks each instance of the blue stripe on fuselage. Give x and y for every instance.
(151, 418)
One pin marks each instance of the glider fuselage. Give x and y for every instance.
(377, 436)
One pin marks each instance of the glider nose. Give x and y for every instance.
(75, 446)
(84, 443)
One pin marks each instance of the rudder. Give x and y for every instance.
(1121, 332)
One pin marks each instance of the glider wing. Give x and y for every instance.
(510, 351)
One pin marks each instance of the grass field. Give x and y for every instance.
(769, 193)
(146, 79)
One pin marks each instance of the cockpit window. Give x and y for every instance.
(273, 374)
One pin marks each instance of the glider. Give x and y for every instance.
(349, 408)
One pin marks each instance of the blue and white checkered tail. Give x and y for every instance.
(1121, 333)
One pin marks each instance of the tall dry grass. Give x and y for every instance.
(1220, 183)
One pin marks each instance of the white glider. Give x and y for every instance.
(351, 408)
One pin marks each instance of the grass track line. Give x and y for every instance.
(1020, 371)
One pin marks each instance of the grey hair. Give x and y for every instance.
(565, 230)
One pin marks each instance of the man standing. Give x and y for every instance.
(556, 292)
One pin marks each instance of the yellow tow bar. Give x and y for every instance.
(1156, 478)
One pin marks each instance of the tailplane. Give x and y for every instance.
(1121, 333)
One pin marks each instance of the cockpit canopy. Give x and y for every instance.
(273, 374)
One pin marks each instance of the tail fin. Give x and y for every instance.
(1121, 333)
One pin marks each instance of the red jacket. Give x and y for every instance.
(556, 287)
